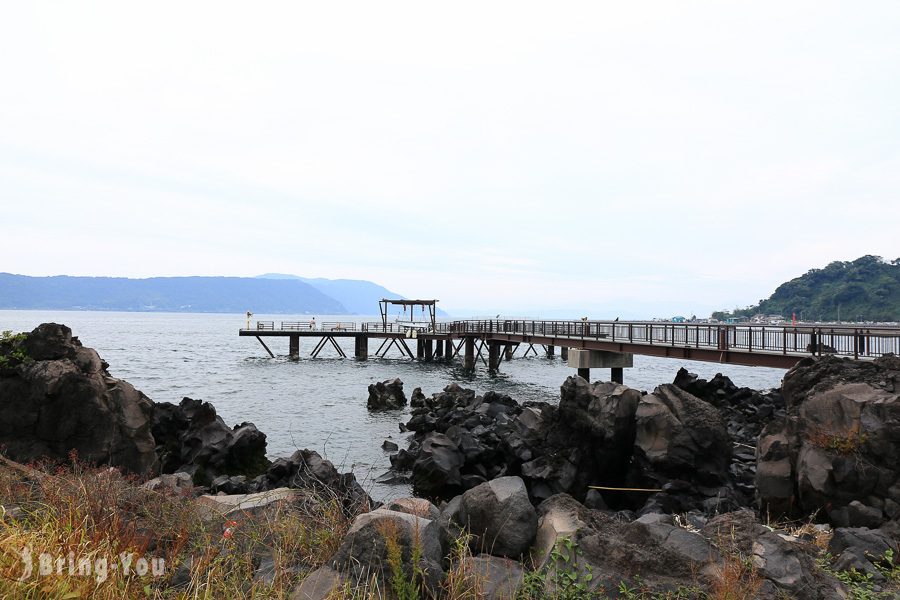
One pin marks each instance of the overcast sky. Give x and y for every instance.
(618, 158)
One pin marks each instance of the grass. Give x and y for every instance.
(11, 350)
(74, 523)
(566, 578)
(862, 586)
(736, 579)
(83, 521)
(844, 443)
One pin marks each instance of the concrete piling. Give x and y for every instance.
(362, 348)
(493, 356)
(469, 360)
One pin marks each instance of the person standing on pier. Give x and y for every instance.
(312, 324)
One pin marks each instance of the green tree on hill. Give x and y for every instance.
(866, 289)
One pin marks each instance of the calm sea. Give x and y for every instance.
(314, 403)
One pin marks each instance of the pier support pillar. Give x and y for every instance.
(617, 375)
(438, 349)
(362, 347)
(564, 352)
(493, 357)
(420, 349)
(448, 349)
(429, 350)
(550, 351)
(294, 347)
(585, 374)
(469, 360)
(583, 360)
(508, 352)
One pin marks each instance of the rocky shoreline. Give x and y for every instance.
(609, 492)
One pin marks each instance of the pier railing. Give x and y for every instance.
(297, 325)
(339, 326)
(307, 326)
(852, 341)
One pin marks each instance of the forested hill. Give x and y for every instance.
(866, 289)
(169, 294)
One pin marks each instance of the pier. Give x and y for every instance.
(584, 344)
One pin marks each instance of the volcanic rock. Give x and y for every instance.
(61, 401)
(601, 434)
(193, 439)
(499, 516)
(492, 577)
(837, 452)
(386, 395)
(680, 437)
(306, 469)
(363, 553)
(437, 465)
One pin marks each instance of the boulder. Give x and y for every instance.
(812, 376)
(717, 391)
(231, 484)
(192, 438)
(60, 401)
(786, 568)
(745, 413)
(437, 467)
(216, 507)
(600, 419)
(860, 515)
(775, 482)
(603, 552)
(364, 551)
(417, 399)
(560, 519)
(307, 470)
(680, 437)
(322, 584)
(605, 410)
(861, 548)
(174, 483)
(499, 516)
(415, 506)
(837, 452)
(386, 395)
(492, 577)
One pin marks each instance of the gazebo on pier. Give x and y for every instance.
(429, 325)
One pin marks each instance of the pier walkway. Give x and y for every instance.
(779, 346)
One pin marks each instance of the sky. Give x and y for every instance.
(635, 159)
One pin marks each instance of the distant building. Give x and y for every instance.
(678, 319)
(767, 319)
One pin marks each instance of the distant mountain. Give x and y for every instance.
(357, 295)
(166, 294)
(866, 289)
